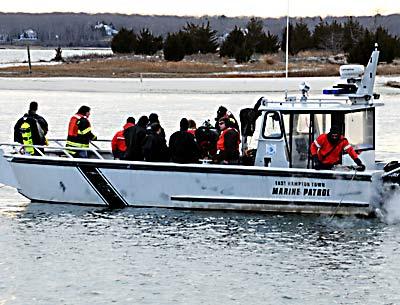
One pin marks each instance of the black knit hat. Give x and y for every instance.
(184, 124)
(83, 109)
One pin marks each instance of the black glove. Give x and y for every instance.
(360, 165)
(316, 162)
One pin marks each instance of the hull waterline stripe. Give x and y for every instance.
(268, 201)
(245, 171)
(102, 187)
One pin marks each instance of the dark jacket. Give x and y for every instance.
(183, 148)
(39, 128)
(134, 138)
(155, 148)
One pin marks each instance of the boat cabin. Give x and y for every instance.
(288, 129)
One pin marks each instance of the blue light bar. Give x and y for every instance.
(333, 91)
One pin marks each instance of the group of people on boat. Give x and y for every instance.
(145, 140)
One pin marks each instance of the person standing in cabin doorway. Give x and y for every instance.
(328, 148)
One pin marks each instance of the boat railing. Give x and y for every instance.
(58, 149)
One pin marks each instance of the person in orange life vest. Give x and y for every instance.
(327, 150)
(118, 143)
(80, 132)
(228, 143)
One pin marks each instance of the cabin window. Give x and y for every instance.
(360, 129)
(272, 125)
(322, 123)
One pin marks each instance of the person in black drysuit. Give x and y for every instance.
(153, 118)
(38, 125)
(155, 148)
(182, 145)
(134, 138)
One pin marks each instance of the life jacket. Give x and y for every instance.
(78, 137)
(331, 153)
(118, 142)
(221, 140)
(26, 134)
(192, 131)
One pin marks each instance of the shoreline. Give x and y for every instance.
(307, 64)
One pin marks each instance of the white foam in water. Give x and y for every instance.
(390, 213)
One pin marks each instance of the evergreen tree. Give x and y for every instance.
(258, 41)
(301, 39)
(147, 43)
(174, 47)
(328, 36)
(204, 39)
(352, 32)
(387, 44)
(361, 50)
(243, 53)
(124, 42)
(268, 43)
(234, 40)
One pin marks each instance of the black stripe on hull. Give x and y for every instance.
(102, 186)
(208, 169)
(268, 202)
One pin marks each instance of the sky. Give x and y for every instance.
(259, 8)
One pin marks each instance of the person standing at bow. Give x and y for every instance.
(31, 129)
(80, 132)
(118, 142)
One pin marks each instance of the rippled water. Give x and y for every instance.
(60, 254)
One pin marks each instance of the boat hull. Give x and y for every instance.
(118, 184)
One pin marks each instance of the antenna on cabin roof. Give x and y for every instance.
(287, 50)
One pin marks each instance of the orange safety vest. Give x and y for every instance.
(118, 142)
(221, 140)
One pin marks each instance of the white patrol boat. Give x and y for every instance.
(278, 178)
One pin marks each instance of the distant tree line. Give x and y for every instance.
(350, 38)
(242, 43)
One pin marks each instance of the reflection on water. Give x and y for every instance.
(62, 254)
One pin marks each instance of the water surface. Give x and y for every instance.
(60, 254)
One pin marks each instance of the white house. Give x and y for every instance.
(28, 35)
(109, 29)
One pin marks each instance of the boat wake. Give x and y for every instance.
(389, 211)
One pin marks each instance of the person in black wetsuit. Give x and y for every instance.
(155, 148)
(183, 146)
(134, 138)
(31, 129)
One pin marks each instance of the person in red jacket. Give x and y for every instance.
(327, 150)
(118, 143)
